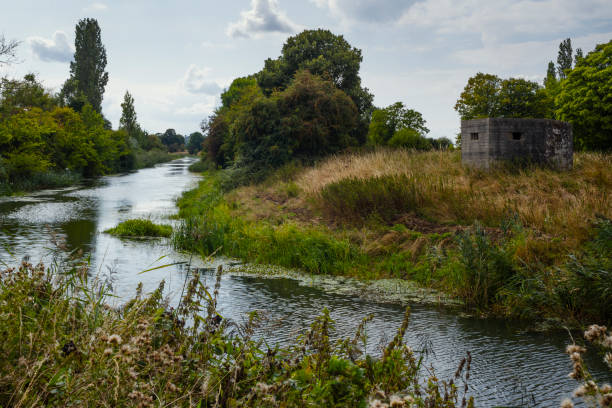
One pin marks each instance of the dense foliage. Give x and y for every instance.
(487, 95)
(43, 144)
(585, 99)
(398, 126)
(64, 346)
(306, 104)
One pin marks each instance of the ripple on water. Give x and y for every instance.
(48, 213)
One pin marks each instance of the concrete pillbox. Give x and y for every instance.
(545, 141)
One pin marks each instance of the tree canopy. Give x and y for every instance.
(585, 99)
(487, 95)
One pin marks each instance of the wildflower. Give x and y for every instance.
(580, 391)
(605, 389)
(172, 387)
(594, 332)
(108, 351)
(378, 404)
(396, 401)
(567, 403)
(114, 339)
(608, 359)
(132, 373)
(573, 348)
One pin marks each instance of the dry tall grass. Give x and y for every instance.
(561, 204)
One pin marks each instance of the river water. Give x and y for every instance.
(510, 367)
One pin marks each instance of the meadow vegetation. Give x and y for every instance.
(63, 345)
(140, 227)
(528, 242)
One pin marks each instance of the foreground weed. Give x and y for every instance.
(63, 346)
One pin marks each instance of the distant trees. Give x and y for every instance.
(585, 99)
(88, 77)
(398, 126)
(194, 142)
(386, 122)
(172, 140)
(487, 95)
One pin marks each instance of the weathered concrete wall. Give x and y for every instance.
(475, 152)
(543, 141)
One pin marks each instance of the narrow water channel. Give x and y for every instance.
(510, 367)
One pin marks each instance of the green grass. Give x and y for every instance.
(509, 270)
(62, 346)
(140, 228)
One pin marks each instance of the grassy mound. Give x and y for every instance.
(523, 242)
(140, 228)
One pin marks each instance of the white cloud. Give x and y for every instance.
(198, 109)
(196, 81)
(95, 7)
(263, 17)
(58, 48)
(509, 20)
(366, 11)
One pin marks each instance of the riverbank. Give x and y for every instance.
(529, 243)
(60, 179)
(64, 346)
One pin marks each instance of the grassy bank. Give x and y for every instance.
(527, 242)
(63, 346)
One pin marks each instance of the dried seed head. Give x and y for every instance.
(114, 339)
(567, 403)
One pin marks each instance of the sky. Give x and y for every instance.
(176, 57)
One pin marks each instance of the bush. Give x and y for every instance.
(140, 228)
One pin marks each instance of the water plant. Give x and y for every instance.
(140, 227)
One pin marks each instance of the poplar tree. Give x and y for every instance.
(128, 114)
(88, 77)
(564, 58)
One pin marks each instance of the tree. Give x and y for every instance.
(8, 50)
(324, 54)
(519, 98)
(16, 95)
(387, 122)
(129, 122)
(578, 57)
(585, 100)
(487, 95)
(87, 76)
(194, 144)
(479, 97)
(173, 141)
(564, 58)
(317, 117)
